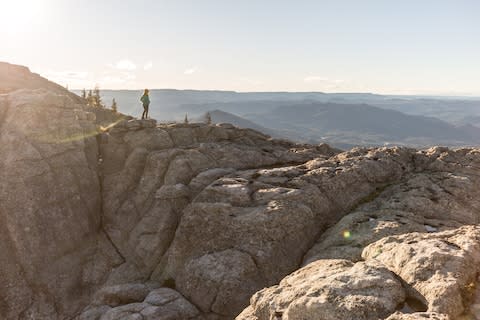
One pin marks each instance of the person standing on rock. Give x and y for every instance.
(145, 99)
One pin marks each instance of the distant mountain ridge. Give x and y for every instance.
(348, 125)
(359, 117)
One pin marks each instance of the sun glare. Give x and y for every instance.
(19, 15)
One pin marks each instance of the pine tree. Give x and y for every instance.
(208, 118)
(186, 119)
(90, 98)
(114, 105)
(84, 94)
(97, 100)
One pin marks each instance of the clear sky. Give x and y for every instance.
(382, 46)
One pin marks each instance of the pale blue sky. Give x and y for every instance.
(408, 46)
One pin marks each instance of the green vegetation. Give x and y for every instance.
(114, 105)
(93, 99)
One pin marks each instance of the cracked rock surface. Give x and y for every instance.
(423, 228)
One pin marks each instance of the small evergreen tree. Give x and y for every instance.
(208, 118)
(84, 94)
(90, 98)
(114, 105)
(97, 100)
(186, 119)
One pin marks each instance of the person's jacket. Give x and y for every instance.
(145, 100)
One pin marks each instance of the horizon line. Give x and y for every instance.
(459, 95)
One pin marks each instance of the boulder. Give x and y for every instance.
(330, 290)
(157, 304)
(440, 268)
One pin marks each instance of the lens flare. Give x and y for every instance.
(79, 135)
(111, 125)
(63, 138)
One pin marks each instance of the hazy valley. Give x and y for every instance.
(343, 120)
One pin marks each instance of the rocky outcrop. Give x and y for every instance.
(140, 220)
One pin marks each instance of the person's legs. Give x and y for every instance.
(146, 112)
